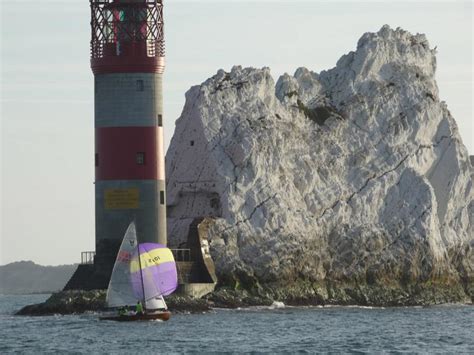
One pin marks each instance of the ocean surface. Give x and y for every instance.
(439, 329)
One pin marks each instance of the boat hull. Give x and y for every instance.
(164, 316)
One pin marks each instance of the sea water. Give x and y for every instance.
(440, 329)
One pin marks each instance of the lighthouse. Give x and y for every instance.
(127, 59)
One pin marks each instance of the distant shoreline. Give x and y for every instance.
(26, 277)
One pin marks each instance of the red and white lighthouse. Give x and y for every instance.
(127, 59)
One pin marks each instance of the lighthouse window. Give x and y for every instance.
(191, 143)
(160, 120)
(140, 85)
(162, 197)
(96, 159)
(140, 158)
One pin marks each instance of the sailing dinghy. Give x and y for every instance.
(142, 273)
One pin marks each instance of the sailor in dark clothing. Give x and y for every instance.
(122, 311)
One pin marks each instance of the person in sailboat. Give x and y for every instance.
(139, 308)
(122, 311)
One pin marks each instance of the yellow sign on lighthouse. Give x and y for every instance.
(119, 199)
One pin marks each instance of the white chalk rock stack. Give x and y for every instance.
(353, 176)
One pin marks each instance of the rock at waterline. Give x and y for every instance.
(347, 186)
(67, 302)
(80, 301)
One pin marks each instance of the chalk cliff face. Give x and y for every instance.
(351, 185)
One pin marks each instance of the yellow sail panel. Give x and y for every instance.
(152, 258)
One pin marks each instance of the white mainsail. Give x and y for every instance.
(120, 290)
(156, 303)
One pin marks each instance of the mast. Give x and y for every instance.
(141, 277)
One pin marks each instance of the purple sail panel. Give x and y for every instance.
(157, 269)
(165, 279)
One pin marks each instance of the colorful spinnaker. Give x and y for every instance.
(157, 269)
(142, 272)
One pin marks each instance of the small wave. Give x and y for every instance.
(273, 306)
(222, 309)
(353, 306)
(88, 313)
(277, 304)
(448, 305)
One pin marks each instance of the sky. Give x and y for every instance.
(46, 95)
